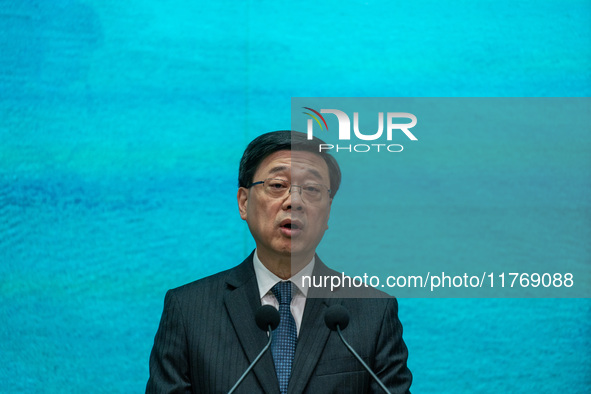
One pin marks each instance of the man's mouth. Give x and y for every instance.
(291, 228)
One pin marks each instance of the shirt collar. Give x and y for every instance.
(266, 279)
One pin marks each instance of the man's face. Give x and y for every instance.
(287, 226)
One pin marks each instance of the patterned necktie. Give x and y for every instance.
(285, 336)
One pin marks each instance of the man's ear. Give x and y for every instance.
(242, 201)
(328, 216)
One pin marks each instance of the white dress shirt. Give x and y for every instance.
(266, 280)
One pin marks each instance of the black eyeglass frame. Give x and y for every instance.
(291, 185)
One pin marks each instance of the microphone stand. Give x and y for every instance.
(256, 360)
(373, 375)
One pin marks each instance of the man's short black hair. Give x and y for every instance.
(269, 143)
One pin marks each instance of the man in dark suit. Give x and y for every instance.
(208, 335)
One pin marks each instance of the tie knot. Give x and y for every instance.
(283, 292)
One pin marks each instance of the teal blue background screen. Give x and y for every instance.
(121, 128)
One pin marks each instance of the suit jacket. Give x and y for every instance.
(208, 336)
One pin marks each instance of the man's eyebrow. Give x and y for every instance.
(314, 172)
(310, 170)
(278, 169)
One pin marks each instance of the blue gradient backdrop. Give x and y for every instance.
(121, 127)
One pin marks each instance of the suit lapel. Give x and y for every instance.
(242, 300)
(311, 341)
(313, 333)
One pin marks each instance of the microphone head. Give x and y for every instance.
(336, 315)
(267, 316)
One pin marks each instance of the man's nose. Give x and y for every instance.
(298, 187)
(294, 199)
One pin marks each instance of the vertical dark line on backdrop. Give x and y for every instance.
(246, 134)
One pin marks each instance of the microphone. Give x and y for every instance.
(337, 319)
(267, 319)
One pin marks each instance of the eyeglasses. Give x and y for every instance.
(279, 188)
